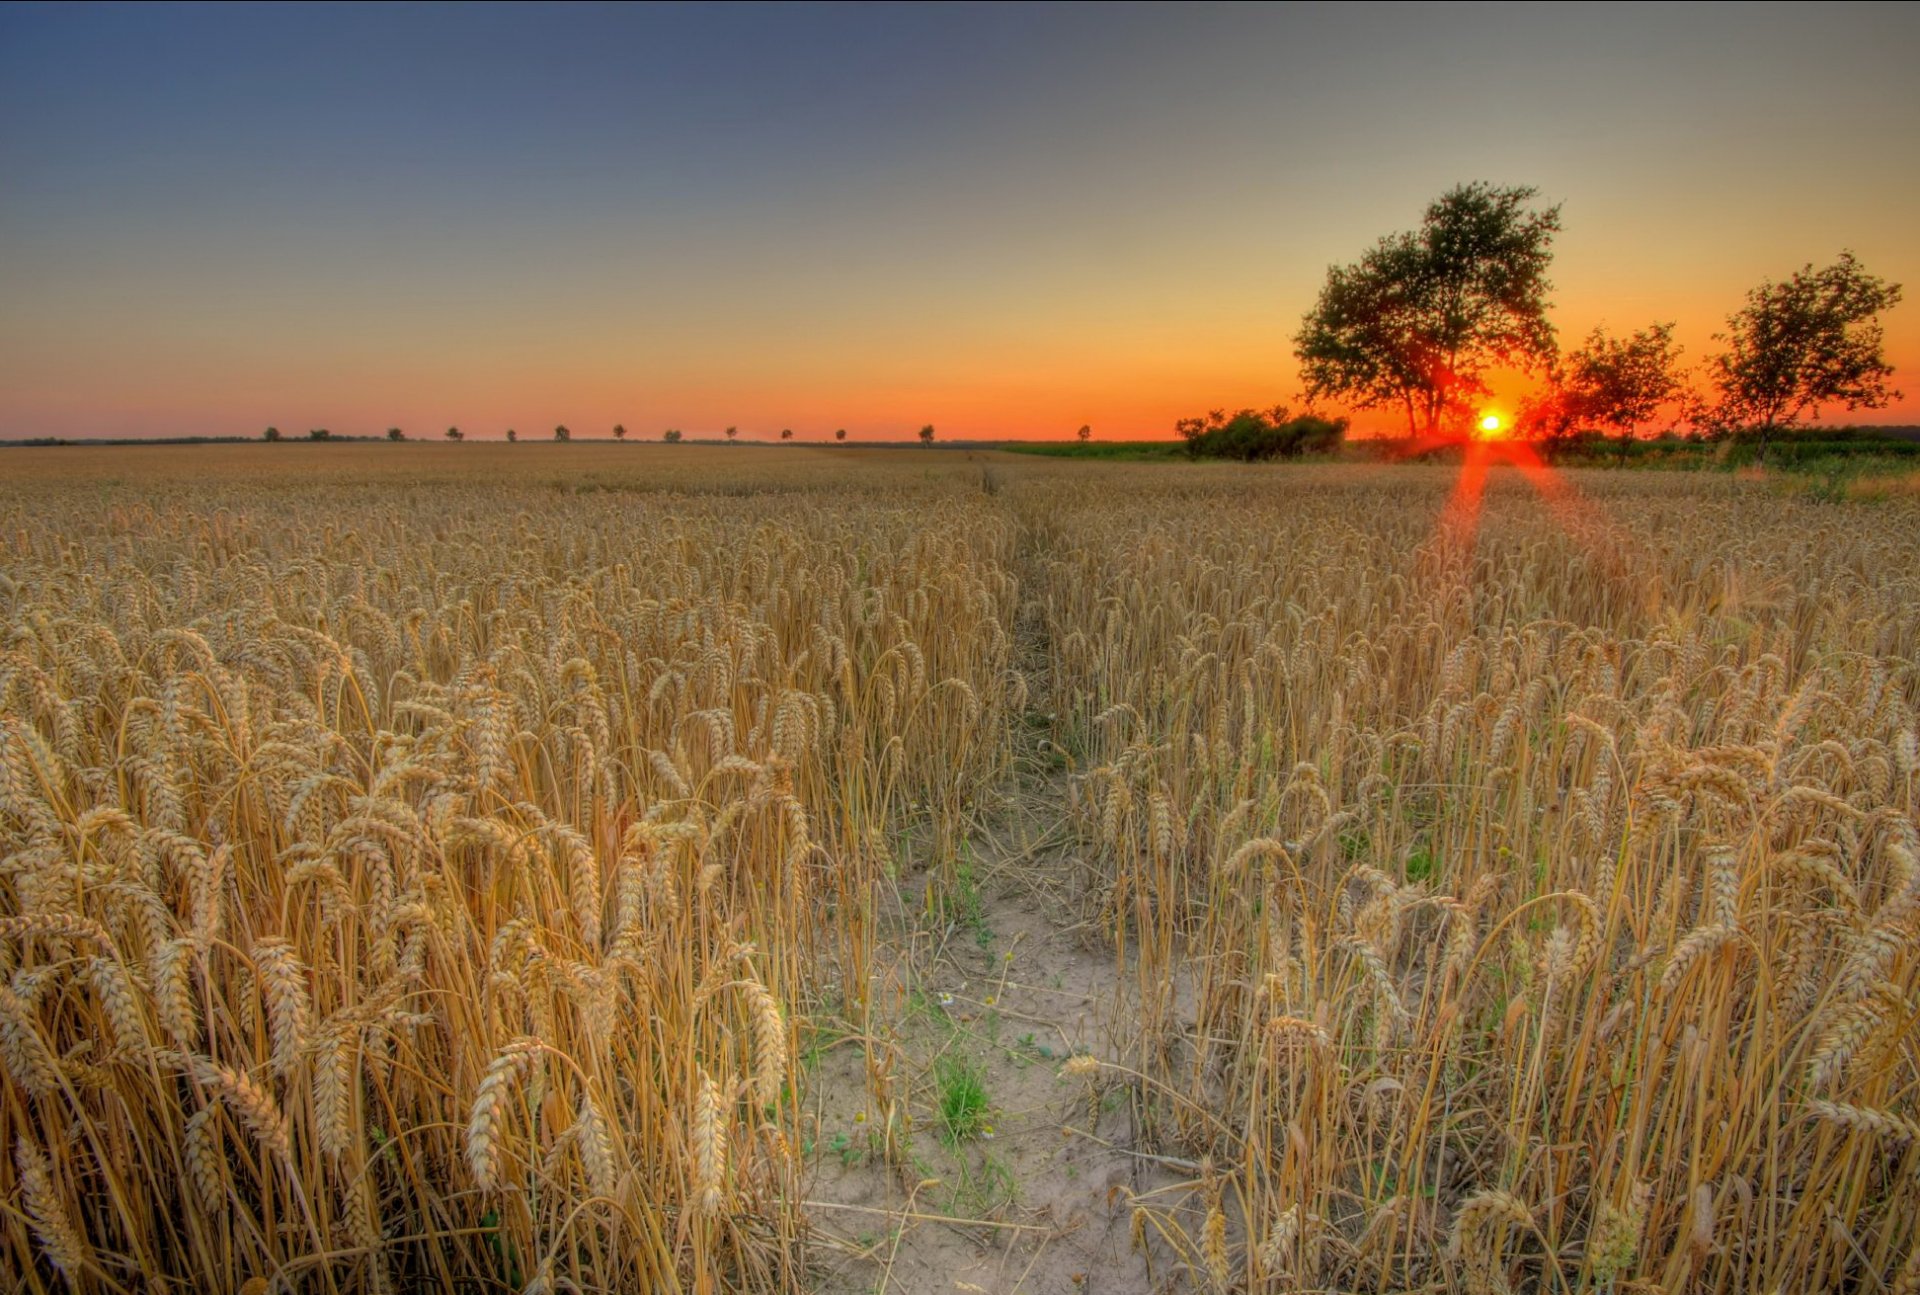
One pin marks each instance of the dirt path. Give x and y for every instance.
(1014, 1175)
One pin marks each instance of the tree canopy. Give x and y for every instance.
(1251, 435)
(1608, 384)
(1795, 346)
(1422, 316)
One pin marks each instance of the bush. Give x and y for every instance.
(1254, 435)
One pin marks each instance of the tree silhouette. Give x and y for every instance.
(512, 436)
(1795, 346)
(786, 433)
(319, 434)
(1422, 316)
(671, 435)
(1608, 384)
(732, 432)
(926, 435)
(271, 434)
(1251, 435)
(840, 435)
(395, 434)
(1085, 433)
(619, 431)
(561, 433)
(455, 434)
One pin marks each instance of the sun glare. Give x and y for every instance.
(1490, 427)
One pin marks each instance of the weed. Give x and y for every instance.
(960, 1098)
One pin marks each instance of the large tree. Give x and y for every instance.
(1795, 346)
(1418, 321)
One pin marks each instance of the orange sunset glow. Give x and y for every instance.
(1006, 223)
(817, 648)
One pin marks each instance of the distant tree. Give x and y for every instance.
(1422, 316)
(671, 436)
(455, 434)
(926, 434)
(512, 436)
(1085, 433)
(619, 431)
(561, 433)
(319, 434)
(840, 435)
(1795, 346)
(732, 432)
(395, 434)
(786, 433)
(271, 434)
(1608, 384)
(1251, 435)
(1195, 431)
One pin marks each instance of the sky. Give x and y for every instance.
(1004, 220)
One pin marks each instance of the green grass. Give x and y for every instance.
(961, 1103)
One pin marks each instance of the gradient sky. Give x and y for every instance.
(1005, 221)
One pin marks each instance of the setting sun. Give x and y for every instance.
(1490, 427)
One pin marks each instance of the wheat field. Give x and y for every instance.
(484, 868)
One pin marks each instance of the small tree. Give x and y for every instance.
(1608, 384)
(619, 431)
(1795, 346)
(319, 434)
(1252, 435)
(926, 435)
(561, 433)
(732, 432)
(512, 436)
(671, 436)
(840, 435)
(1085, 433)
(455, 434)
(786, 433)
(395, 434)
(271, 434)
(1418, 321)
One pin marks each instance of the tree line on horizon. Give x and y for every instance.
(672, 435)
(1421, 319)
